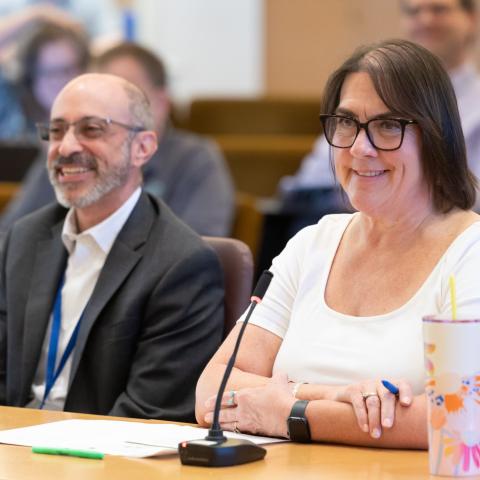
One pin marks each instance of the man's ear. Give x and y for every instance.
(143, 146)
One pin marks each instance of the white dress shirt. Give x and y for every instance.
(87, 251)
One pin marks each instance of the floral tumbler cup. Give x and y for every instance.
(452, 362)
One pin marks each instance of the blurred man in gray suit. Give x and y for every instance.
(108, 303)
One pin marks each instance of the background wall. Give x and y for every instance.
(254, 47)
(211, 47)
(305, 40)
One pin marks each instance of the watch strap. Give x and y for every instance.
(297, 423)
(298, 409)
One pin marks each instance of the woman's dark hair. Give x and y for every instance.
(413, 84)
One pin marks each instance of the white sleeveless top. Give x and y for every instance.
(323, 346)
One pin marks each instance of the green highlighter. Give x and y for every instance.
(70, 452)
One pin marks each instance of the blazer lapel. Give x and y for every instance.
(48, 266)
(122, 258)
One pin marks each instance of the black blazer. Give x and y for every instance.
(154, 318)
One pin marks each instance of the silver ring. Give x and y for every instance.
(235, 428)
(365, 395)
(231, 399)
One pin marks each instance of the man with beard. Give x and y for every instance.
(108, 304)
(187, 171)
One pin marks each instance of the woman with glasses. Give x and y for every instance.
(344, 309)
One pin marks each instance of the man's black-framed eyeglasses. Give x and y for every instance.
(87, 128)
(387, 134)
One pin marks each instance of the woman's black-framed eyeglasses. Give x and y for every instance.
(386, 134)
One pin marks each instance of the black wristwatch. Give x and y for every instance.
(297, 423)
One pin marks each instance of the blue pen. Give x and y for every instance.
(390, 387)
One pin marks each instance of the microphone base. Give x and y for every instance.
(206, 453)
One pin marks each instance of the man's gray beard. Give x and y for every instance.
(113, 178)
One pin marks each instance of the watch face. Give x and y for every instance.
(298, 429)
(297, 423)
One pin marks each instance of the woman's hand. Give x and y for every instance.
(373, 404)
(260, 410)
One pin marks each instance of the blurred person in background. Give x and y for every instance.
(447, 28)
(188, 172)
(48, 58)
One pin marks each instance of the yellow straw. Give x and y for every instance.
(453, 297)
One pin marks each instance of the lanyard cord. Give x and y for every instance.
(52, 374)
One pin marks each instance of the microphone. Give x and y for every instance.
(216, 450)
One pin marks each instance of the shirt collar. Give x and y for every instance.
(105, 232)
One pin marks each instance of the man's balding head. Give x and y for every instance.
(111, 91)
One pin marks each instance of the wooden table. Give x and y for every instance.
(283, 461)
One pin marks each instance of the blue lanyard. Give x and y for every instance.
(52, 374)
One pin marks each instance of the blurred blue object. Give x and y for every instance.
(129, 26)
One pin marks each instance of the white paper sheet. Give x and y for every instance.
(131, 439)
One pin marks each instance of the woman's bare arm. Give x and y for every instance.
(253, 366)
(263, 404)
(335, 422)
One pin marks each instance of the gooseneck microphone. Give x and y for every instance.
(216, 450)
